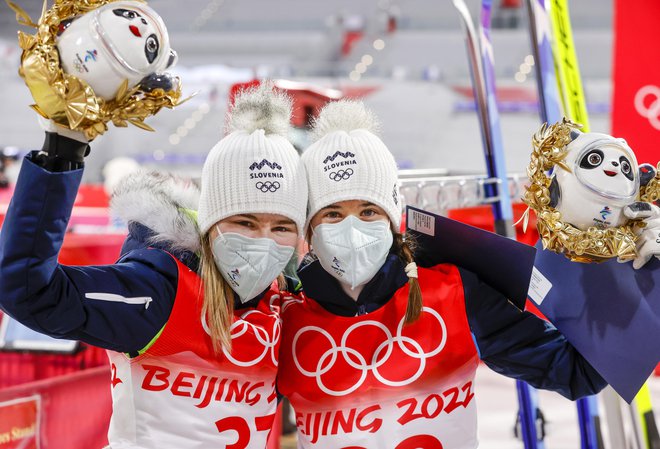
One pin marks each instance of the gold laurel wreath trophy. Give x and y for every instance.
(91, 62)
(596, 239)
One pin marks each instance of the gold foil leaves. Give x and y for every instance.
(68, 100)
(594, 244)
(651, 192)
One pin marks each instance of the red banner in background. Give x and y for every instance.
(636, 101)
(74, 412)
(19, 423)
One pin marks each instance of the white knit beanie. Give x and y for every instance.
(254, 169)
(349, 162)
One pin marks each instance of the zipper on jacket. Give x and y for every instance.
(99, 296)
(362, 310)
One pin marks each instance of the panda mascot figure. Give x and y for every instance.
(116, 42)
(597, 202)
(603, 180)
(97, 61)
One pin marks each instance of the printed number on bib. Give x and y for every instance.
(434, 404)
(240, 426)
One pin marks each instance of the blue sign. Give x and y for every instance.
(609, 311)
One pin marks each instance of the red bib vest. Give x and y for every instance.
(179, 393)
(370, 381)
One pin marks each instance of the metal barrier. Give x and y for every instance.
(439, 192)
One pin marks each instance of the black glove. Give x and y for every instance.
(63, 149)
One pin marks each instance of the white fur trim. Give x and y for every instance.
(157, 201)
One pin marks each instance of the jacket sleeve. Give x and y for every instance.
(120, 307)
(523, 346)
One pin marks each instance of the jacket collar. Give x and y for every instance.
(325, 289)
(162, 204)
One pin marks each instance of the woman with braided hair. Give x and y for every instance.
(377, 352)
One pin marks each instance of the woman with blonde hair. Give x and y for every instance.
(187, 313)
(378, 352)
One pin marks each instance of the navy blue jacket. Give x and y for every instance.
(57, 300)
(513, 343)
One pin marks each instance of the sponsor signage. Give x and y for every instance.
(19, 423)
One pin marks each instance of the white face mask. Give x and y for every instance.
(249, 265)
(352, 250)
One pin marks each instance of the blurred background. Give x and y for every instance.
(408, 61)
(406, 58)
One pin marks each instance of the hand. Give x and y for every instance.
(63, 149)
(648, 243)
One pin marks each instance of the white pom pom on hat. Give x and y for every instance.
(254, 169)
(346, 116)
(348, 161)
(263, 108)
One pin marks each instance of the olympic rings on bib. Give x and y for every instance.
(341, 175)
(357, 361)
(269, 340)
(268, 186)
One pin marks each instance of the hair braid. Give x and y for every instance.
(404, 246)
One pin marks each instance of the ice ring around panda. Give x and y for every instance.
(579, 206)
(88, 60)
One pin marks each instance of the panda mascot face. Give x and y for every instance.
(118, 41)
(604, 179)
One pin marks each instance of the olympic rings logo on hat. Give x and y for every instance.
(241, 326)
(652, 111)
(341, 175)
(356, 360)
(268, 186)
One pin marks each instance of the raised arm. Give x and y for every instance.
(119, 307)
(522, 346)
